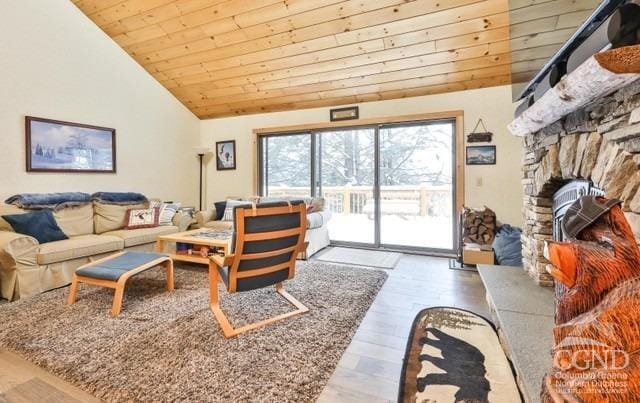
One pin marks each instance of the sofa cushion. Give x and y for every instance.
(133, 237)
(78, 246)
(111, 217)
(8, 209)
(314, 220)
(75, 221)
(39, 224)
(219, 225)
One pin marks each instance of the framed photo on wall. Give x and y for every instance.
(348, 113)
(58, 146)
(481, 155)
(225, 155)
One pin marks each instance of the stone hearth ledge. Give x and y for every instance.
(524, 316)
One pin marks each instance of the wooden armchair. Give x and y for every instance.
(267, 239)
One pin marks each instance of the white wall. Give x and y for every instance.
(497, 186)
(55, 63)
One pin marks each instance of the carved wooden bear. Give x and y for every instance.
(597, 333)
(604, 255)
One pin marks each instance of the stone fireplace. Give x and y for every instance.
(599, 144)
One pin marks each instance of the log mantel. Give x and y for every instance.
(598, 76)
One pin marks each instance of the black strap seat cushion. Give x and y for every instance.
(253, 283)
(113, 269)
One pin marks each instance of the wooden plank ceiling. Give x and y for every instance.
(235, 57)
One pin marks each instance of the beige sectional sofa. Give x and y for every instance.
(94, 230)
(317, 231)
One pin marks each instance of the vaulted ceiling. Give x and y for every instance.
(235, 57)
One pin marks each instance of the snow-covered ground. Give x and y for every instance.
(418, 231)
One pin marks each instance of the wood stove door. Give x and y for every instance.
(565, 197)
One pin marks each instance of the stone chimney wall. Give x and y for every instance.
(601, 143)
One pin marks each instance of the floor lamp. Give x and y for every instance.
(201, 152)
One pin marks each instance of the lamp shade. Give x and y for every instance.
(202, 150)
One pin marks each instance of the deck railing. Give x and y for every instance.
(403, 200)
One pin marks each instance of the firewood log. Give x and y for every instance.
(601, 74)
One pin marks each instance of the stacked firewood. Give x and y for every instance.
(478, 226)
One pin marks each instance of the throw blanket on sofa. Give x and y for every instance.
(54, 201)
(122, 198)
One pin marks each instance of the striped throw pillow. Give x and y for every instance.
(228, 211)
(167, 211)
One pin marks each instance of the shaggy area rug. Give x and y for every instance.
(168, 347)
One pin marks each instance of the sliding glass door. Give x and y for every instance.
(346, 181)
(388, 186)
(416, 185)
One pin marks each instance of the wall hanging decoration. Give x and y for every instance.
(480, 136)
(226, 155)
(481, 155)
(58, 146)
(352, 112)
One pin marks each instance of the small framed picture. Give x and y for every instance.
(349, 113)
(226, 155)
(58, 146)
(481, 155)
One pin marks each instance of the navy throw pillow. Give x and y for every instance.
(39, 224)
(220, 207)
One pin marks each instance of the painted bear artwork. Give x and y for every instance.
(452, 373)
(455, 355)
(596, 357)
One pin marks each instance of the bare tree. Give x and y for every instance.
(409, 155)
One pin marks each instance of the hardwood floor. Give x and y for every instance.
(22, 382)
(369, 370)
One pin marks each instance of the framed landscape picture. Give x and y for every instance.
(225, 155)
(57, 146)
(481, 155)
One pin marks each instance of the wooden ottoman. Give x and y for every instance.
(114, 271)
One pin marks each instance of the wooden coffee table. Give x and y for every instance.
(220, 240)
